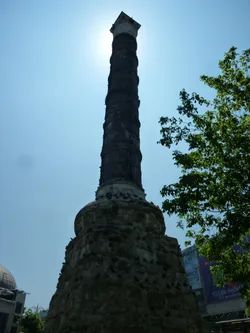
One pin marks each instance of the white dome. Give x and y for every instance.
(7, 280)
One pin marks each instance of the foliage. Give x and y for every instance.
(31, 322)
(212, 195)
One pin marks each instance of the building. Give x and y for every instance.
(216, 304)
(11, 302)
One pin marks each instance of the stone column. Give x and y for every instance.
(121, 155)
(121, 273)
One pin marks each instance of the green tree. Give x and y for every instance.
(31, 322)
(212, 195)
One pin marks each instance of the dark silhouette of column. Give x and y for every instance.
(121, 155)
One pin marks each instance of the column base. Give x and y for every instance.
(123, 275)
(120, 190)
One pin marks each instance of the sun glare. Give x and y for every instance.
(101, 48)
(104, 44)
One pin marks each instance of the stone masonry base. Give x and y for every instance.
(122, 275)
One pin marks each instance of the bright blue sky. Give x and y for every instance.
(53, 83)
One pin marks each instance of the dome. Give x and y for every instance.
(7, 280)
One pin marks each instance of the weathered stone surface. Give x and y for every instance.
(121, 274)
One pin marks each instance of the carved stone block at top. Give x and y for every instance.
(125, 24)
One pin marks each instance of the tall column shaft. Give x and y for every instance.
(121, 155)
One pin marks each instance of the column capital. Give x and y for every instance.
(125, 24)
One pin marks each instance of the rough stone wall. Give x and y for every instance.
(121, 274)
(121, 156)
